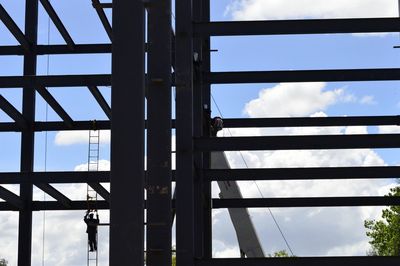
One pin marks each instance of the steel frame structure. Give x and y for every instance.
(187, 52)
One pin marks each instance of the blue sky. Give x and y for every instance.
(68, 151)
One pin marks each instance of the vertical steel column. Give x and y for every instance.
(184, 133)
(28, 137)
(198, 118)
(206, 90)
(158, 236)
(127, 137)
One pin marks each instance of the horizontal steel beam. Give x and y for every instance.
(61, 126)
(57, 195)
(57, 49)
(307, 26)
(58, 206)
(75, 205)
(13, 113)
(311, 142)
(368, 172)
(14, 29)
(334, 75)
(56, 126)
(11, 198)
(305, 202)
(303, 261)
(57, 177)
(54, 177)
(105, 5)
(312, 121)
(55, 81)
(58, 23)
(78, 125)
(55, 105)
(236, 123)
(100, 100)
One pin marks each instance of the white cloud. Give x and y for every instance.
(65, 138)
(292, 99)
(299, 9)
(104, 165)
(389, 129)
(368, 99)
(310, 231)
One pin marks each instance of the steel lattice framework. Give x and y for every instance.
(186, 50)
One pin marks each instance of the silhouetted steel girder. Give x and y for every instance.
(75, 205)
(14, 29)
(58, 177)
(46, 95)
(11, 198)
(12, 112)
(306, 26)
(100, 190)
(312, 121)
(57, 126)
(332, 75)
(51, 191)
(215, 77)
(55, 177)
(56, 206)
(100, 100)
(311, 142)
(303, 261)
(103, 18)
(58, 23)
(305, 202)
(231, 123)
(57, 49)
(368, 172)
(237, 203)
(55, 81)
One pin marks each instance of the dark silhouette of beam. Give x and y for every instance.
(100, 100)
(55, 105)
(58, 23)
(100, 190)
(64, 200)
(12, 112)
(103, 18)
(300, 26)
(13, 28)
(11, 198)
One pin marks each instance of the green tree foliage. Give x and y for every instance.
(279, 254)
(385, 233)
(3, 262)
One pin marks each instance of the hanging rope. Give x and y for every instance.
(258, 188)
(45, 145)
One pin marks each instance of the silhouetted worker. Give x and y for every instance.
(216, 125)
(91, 229)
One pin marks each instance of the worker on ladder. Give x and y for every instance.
(216, 124)
(91, 229)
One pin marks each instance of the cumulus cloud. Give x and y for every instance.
(310, 231)
(299, 9)
(292, 99)
(65, 138)
(389, 129)
(368, 99)
(300, 99)
(104, 165)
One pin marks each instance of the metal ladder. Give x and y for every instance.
(91, 194)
